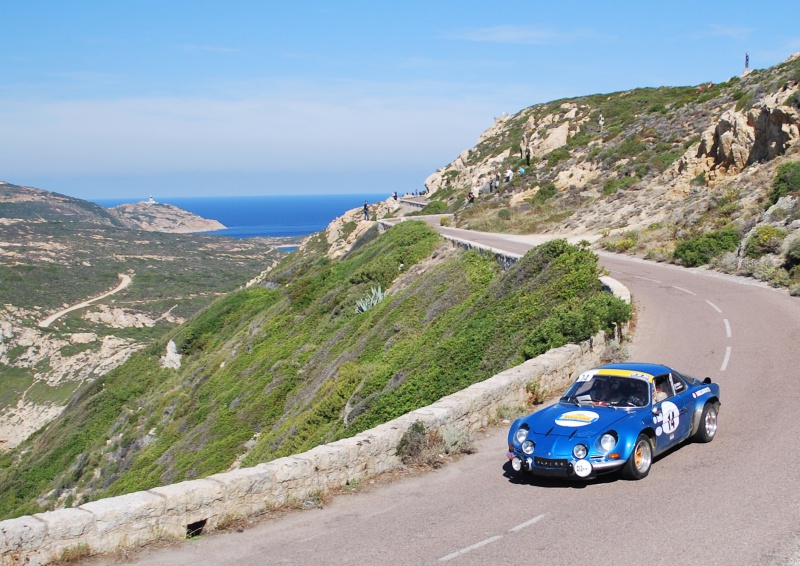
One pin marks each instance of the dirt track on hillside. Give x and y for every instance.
(125, 280)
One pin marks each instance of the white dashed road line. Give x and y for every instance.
(526, 524)
(490, 540)
(684, 290)
(458, 553)
(727, 357)
(727, 328)
(713, 306)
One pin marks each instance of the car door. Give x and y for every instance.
(685, 403)
(670, 413)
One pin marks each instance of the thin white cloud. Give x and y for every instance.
(89, 77)
(207, 49)
(734, 32)
(525, 35)
(286, 127)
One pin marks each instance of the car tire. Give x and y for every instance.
(708, 424)
(638, 465)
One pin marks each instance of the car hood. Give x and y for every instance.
(575, 421)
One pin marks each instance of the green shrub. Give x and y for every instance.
(413, 443)
(661, 161)
(631, 147)
(557, 155)
(611, 186)
(569, 324)
(504, 214)
(765, 240)
(348, 228)
(433, 207)
(786, 181)
(793, 252)
(546, 190)
(700, 179)
(700, 250)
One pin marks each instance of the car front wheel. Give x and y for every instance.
(638, 465)
(708, 424)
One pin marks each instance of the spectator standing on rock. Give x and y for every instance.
(366, 210)
(509, 175)
(528, 157)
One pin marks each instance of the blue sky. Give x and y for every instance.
(107, 99)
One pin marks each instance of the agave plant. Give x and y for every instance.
(363, 305)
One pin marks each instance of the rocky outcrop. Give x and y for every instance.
(127, 318)
(154, 216)
(29, 348)
(541, 135)
(739, 139)
(550, 132)
(171, 359)
(344, 230)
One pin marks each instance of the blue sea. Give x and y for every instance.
(254, 216)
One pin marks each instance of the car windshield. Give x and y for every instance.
(608, 390)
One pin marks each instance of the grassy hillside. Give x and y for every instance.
(56, 251)
(281, 368)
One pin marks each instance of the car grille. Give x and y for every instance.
(551, 462)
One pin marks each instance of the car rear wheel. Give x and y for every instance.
(708, 424)
(638, 465)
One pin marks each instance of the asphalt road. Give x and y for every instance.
(733, 501)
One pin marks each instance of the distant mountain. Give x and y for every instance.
(161, 217)
(28, 203)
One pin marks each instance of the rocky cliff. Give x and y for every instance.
(154, 216)
(645, 170)
(29, 203)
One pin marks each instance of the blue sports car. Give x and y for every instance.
(616, 417)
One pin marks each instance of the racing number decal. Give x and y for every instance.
(669, 417)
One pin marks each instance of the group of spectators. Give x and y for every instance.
(494, 182)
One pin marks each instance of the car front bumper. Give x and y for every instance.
(563, 467)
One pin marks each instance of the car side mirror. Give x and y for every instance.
(707, 380)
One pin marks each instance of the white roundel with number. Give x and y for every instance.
(582, 468)
(671, 417)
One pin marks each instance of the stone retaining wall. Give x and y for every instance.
(171, 511)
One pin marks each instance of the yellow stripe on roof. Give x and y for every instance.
(625, 373)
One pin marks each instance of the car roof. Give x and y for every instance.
(629, 369)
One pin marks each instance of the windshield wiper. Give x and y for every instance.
(570, 400)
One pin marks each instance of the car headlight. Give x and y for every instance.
(521, 434)
(527, 447)
(580, 451)
(607, 442)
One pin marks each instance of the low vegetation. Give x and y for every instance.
(701, 249)
(280, 368)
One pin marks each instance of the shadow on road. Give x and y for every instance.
(563, 483)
